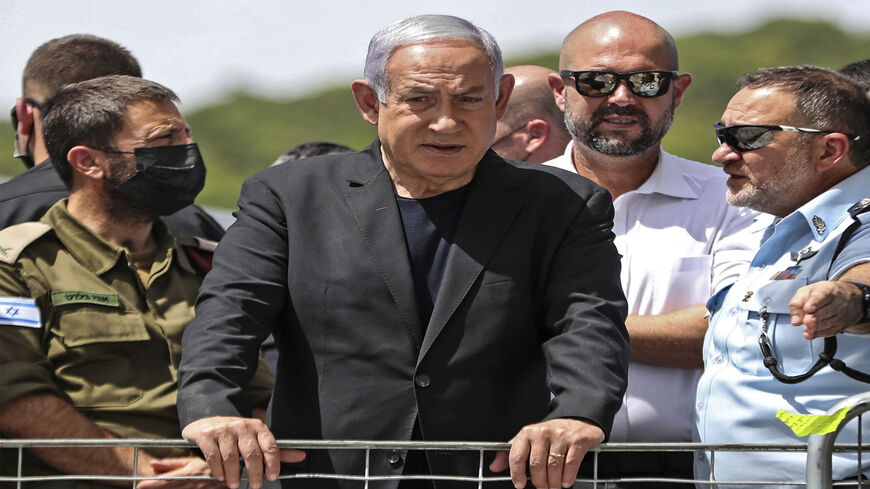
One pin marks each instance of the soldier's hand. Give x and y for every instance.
(181, 467)
(224, 439)
(553, 450)
(825, 308)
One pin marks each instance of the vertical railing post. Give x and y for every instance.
(368, 461)
(480, 471)
(712, 468)
(595, 469)
(20, 466)
(135, 466)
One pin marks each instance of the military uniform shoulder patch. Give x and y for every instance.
(14, 239)
(199, 252)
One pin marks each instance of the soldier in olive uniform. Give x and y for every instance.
(95, 296)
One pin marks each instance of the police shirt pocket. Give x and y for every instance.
(794, 353)
(96, 354)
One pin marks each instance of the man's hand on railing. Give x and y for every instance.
(180, 467)
(224, 439)
(553, 450)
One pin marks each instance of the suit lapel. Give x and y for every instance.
(489, 211)
(371, 199)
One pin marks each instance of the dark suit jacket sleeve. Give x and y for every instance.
(587, 350)
(245, 290)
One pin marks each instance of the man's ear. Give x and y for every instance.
(558, 85)
(830, 149)
(681, 83)
(366, 100)
(25, 117)
(83, 160)
(538, 131)
(505, 87)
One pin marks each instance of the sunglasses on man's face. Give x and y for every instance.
(746, 137)
(603, 83)
(13, 114)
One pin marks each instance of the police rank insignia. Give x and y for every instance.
(789, 273)
(819, 224)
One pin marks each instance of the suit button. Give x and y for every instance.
(395, 459)
(422, 380)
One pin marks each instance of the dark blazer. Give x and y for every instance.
(530, 304)
(28, 195)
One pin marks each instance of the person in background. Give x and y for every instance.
(64, 60)
(532, 128)
(859, 72)
(795, 143)
(95, 296)
(313, 148)
(679, 239)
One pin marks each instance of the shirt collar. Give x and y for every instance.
(827, 211)
(667, 178)
(93, 251)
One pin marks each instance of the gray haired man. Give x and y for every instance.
(421, 289)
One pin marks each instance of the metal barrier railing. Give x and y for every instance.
(820, 448)
(816, 478)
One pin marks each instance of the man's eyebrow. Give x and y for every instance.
(163, 129)
(472, 90)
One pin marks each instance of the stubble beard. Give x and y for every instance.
(117, 204)
(768, 196)
(584, 130)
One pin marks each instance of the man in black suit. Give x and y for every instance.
(421, 289)
(60, 61)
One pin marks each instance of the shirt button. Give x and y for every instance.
(701, 457)
(701, 405)
(733, 311)
(422, 380)
(395, 459)
(719, 359)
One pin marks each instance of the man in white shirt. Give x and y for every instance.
(679, 239)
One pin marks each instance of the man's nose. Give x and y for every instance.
(622, 95)
(444, 119)
(724, 153)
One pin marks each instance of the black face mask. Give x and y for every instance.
(167, 178)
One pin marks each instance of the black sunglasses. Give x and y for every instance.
(746, 137)
(13, 114)
(603, 83)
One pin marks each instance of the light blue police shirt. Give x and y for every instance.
(737, 396)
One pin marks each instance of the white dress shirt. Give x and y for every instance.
(680, 242)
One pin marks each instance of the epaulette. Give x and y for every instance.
(14, 239)
(859, 207)
(199, 251)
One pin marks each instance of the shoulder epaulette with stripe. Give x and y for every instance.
(16, 238)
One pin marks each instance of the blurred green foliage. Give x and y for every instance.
(245, 133)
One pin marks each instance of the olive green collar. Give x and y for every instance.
(98, 254)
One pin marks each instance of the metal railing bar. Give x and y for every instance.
(422, 445)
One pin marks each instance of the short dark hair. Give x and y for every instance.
(825, 100)
(314, 148)
(859, 72)
(91, 113)
(72, 59)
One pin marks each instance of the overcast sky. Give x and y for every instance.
(204, 48)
